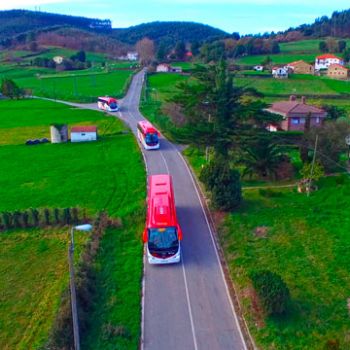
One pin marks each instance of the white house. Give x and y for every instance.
(258, 68)
(280, 72)
(83, 133)
(176, 69)
(132, 56)
(58, 59)
(324, 61)
(163, 67)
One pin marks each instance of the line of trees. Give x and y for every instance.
(45, 217)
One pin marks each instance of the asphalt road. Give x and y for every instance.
(187, 305)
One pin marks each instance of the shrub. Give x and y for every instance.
(25, 219)
(56, 214)
(332, 344)
(47, 216)
(7, 220)
(35, 217)
(16, 219)
(67, 218)
(224, 184)
(75, 215)
(272, 290)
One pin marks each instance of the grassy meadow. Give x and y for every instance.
(306, 50)
(307, 243)
(107, 174)
(33, 271)
(159, 88)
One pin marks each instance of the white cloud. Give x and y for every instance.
(15, 4)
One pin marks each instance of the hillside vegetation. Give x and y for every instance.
(104, 175)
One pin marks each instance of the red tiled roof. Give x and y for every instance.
(328, 55)
(90, 128)
(337, 66)
(286, 107)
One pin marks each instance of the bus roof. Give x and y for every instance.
(161, 205)
(147, 127)
(108, 99)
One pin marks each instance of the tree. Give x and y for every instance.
(323, 46)
(214, 112)
(332, 45)
(81, 56)
(223, 183)
(262, 156)
(341, 45)
(195, 48)
(35, 217)
(272, 290)
(10, 89)
(145, 49)
(331, 143)
(346, 55)
(162, 51)
(180, 50)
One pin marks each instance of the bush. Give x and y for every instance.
(47, 216)
(272, 290)
(35, 217)
(56, 214)
(223, 183)
(25, 219)
(67, 218)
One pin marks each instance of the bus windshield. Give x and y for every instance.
(151, 139)
(163, 239)
(113, 105)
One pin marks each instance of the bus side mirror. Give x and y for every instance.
(179, 232)
(144, 235)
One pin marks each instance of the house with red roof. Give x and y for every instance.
(324, 61)
(336, 71)
(296, 113)
(83, 133)
(301, 67)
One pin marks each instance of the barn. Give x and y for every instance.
(83, 133)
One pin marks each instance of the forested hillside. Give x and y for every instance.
(169, 32)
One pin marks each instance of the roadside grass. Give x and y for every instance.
(107, 174)
(34, 272)
(307, 243)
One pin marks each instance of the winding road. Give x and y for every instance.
(185, 306)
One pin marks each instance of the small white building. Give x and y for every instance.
(280, 72)
(176, 69)
(132, 56)
(259, 68)
(324, 61)
(83, 133)
(163, 67)
(58, 59)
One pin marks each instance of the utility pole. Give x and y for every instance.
(312, 167)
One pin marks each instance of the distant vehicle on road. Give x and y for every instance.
(109, 104)
(148, 135)
(162, 233)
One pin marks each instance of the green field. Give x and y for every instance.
(33, 271)
(296, 84)
(81, 88)
(159, 88)
(306, 50)
(107, 174)
(307, 243)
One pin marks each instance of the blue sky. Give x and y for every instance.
(244, 16)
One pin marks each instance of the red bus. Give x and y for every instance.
(148, 135)
(109, 104)
(162, 233)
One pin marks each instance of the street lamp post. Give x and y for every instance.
(73, 296)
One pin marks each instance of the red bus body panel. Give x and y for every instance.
(161, 211)
(109, 100)
(147, 128)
